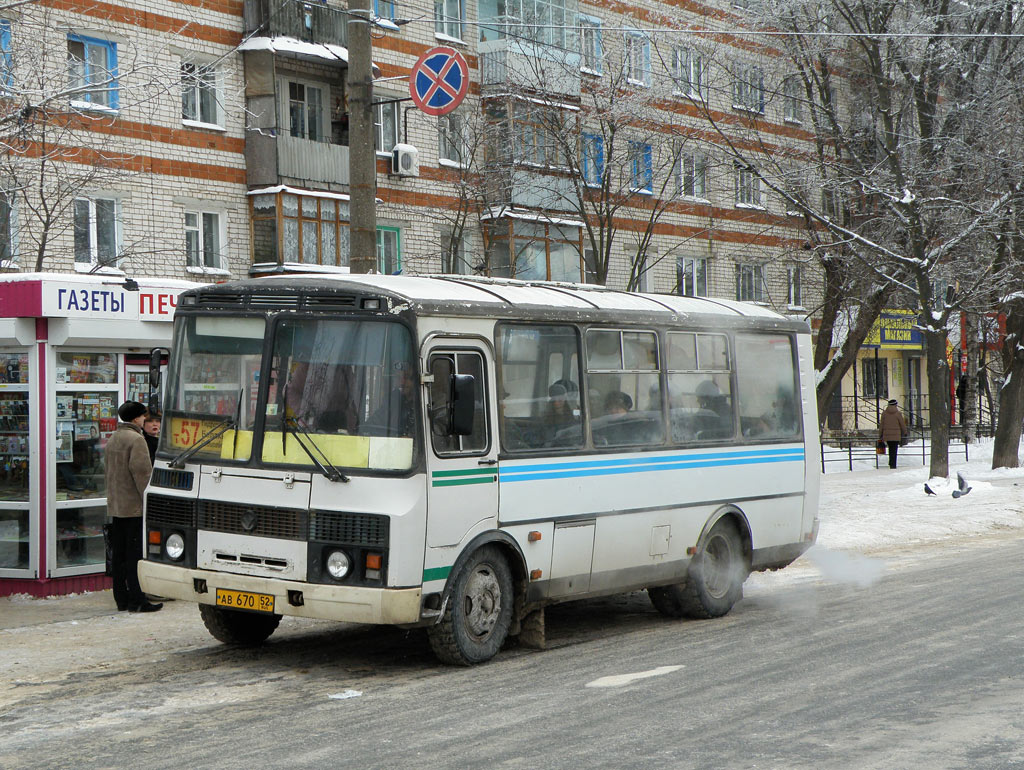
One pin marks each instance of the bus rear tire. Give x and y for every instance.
(715, 578)
(245, 629)
(478, 614)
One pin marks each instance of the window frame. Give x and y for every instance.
(692, 272)
(379, 239)
(454, 354)
(592, 49)
(378, 125)
(692, 166)
(750, 275)
(201, 212)
(339, 224)
(688, 65)
(791, 101)
(83, 98)
(447, 27)
(637, 44)
(390, 4)
(6, 57)
(216, 86)
(94, 265)
(325, 100)
(452, 141)
(641, 162)
(748, 89)
(748, 188)
(794, 287)
(592, 159)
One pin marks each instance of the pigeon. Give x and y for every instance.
(964, 488)
(928, 490)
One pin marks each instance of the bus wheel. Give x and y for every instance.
(246, 629)
(715, 580)
(478, 613)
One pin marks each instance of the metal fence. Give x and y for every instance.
(858, 448)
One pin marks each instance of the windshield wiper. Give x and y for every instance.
(217, 430)
(326, 467)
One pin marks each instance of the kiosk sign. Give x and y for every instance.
(439, 81)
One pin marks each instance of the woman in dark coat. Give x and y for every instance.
(891, 429)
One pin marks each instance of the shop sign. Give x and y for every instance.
(895, 330)
(67, 299)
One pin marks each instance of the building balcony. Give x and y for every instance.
(509, 65)
(525, 188)
(310, 22)
(285, 159)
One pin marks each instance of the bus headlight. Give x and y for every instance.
(174, 546)
(338, 564)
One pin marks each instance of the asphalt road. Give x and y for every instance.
(921, 670)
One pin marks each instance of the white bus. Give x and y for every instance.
(458, 453)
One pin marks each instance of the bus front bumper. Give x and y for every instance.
(392, 606)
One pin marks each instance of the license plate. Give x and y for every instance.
(243, 600)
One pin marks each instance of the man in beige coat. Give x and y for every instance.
(128, 471)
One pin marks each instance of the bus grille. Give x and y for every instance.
(170, 511)
(350, 528)
(171, 479)
(257, 520)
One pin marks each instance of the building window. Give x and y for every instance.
(92, 72)
(750, 283)
(203, 240)
(385, 9)
(590, 44)
(748, 88)
(199, 95)
(454, 258)
(386, 127)
(748, 187)
(453, 145)
(308, 229)
(389, 255)
(875, 372)
(6, 231)
(693, 276)
(6, 57)
(533, 250)
(306, 111)
(641, 172)
(794, 294)
(637, 58)
(692, 171)
(792, 99)
(593, 159)
(534, 131)
(97, 232)
(448, 18)
(688, 71)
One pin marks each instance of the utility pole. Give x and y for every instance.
(362, 157)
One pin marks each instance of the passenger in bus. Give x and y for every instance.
(617, 402)
(562, 413)
(714, 416)
(397, 414)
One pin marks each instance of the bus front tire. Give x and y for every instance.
(478, 614)
(245, 629)
(715, 578)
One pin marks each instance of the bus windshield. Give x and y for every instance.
(346, 387)
(212, 379)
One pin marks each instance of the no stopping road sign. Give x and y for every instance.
(439, 81)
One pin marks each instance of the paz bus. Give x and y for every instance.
(458, 453)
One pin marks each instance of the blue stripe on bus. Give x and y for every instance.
(645, 465)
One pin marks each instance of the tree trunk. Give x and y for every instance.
(970, 406)
(1011, 397)
(938, 401)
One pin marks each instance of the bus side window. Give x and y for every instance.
(538, 398)
(443, 366)
(766, 386)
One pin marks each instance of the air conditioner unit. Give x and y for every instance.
(405, 160)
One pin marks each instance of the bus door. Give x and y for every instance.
(463, 469)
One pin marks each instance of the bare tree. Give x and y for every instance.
(892, 141)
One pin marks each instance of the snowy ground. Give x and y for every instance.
(874, 519)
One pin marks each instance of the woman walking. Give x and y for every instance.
(891, 429)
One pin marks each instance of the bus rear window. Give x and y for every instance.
(766, 386)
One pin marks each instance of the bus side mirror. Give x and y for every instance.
(155, 358)
(463, 401)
